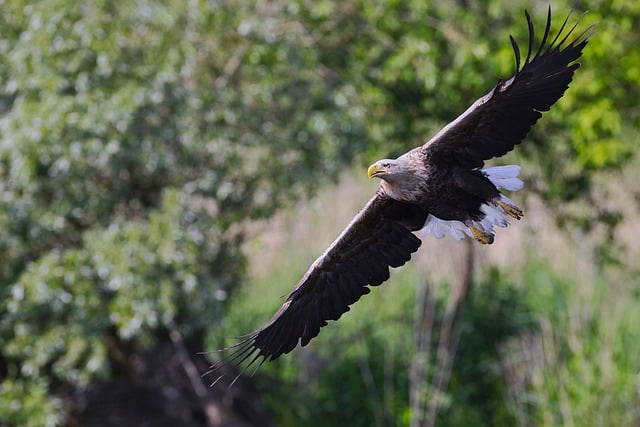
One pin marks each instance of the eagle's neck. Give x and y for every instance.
(410, 180)
(407, 190)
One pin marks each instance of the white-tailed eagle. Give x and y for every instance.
(439, 188)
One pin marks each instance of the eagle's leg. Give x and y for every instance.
(512, 210)
(481, 235)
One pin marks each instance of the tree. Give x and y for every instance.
(137, 139)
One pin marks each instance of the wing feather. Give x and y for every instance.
(500, 120)
(379, 237)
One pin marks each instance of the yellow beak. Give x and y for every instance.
(375, 170)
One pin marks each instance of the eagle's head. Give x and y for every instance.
(387, 169)
(402, 178)
(391, 170)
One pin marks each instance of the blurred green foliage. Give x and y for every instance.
(135, 140)
(139, 139)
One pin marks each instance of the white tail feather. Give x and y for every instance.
(503, 177)
(440, 228)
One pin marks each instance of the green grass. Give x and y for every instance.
(583, 361)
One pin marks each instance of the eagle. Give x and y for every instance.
(439, 188)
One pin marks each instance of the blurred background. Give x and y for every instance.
(169, 169)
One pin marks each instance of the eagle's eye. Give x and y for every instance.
(386, 165)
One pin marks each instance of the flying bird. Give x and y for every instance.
(440, 188)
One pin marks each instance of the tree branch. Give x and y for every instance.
(212, 413)
(450, 333)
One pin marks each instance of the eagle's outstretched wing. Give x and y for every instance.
(500, 120)
(379, 236)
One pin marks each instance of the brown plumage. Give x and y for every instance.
(438, 187)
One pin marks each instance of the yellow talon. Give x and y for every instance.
(511, 210)
(481, 236)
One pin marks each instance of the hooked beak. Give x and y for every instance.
(376, 170)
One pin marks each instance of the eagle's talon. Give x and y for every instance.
(481, 235)
(511, 210)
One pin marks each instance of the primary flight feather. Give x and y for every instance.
(439, 188)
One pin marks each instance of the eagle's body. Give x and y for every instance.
(467, 199)
(439, 188)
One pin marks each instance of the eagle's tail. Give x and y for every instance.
(497, 212)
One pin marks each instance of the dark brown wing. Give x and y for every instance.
(497, 122)
(379, 237)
